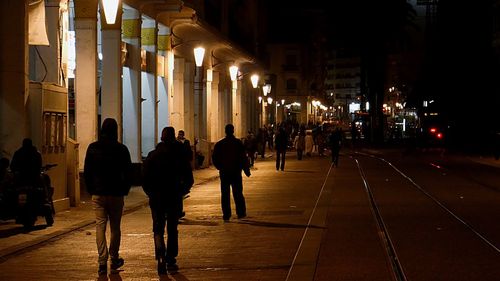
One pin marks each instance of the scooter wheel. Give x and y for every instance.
(29, 223)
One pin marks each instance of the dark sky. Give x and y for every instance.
(459, 65)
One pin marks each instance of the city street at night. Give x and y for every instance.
(125, 126)
(310, 222)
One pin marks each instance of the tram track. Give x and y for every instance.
(384, 231)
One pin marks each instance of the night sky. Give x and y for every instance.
(458, 66)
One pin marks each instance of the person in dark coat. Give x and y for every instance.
(229, 158)
(281, 145)
(107, 171)
(251, 147)
(334, 142)
(167, 174)
(189, 156)
(26, 165)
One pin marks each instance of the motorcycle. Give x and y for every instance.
(25, 203)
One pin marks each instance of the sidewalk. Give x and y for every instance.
(14, 239)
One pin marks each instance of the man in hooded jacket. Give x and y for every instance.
(167, 176)
(107, 173)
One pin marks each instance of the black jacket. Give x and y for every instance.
(229, 156)
(281, 141)
(167, 172)
(26, 165)
(108, 168)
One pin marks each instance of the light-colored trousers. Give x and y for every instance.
(108, 208)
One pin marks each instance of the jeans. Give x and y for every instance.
(165, 212)
(226, 181)
(108, 208)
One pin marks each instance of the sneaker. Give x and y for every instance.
(103, 269)
(115, 264)
(172, 267)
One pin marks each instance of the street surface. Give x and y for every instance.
(380, 215)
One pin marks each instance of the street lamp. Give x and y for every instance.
(266, 89)
(199, 53)
(255, 80)
(110, 8)
(233, 72)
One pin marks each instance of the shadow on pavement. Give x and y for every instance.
(299, 171)
(18, 230)
(198, 222)
(278, 225)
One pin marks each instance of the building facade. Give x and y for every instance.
(140, 70)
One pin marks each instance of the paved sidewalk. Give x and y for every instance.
(14, 239)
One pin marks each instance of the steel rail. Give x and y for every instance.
(436, 201)
(397, 268)
(308, 224)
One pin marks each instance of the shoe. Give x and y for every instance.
(172, 267)
(242, 216)
(182, 214)
(226, 218)
(162, 267)
(115, 264)
(103, 269)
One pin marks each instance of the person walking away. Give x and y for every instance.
(309, 142)
(281, 145)
(300, 143)
(250, 147)
(189, 157)
(107, 171)
(166, 173)
(229, 158)
(334, 142)
(186, 144)
(261, 142)
(270, 137)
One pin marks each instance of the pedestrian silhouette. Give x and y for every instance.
(309, 142)
(300, 143)
(230, 159)
(281, 145)
(189, 156)
(250, 147)
(107, 171)
(167, 173)
(334, 142)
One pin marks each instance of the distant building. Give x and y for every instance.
(343, 84)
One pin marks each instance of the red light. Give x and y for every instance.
(439, 135)
(433, 130)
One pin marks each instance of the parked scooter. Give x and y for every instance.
(26, 203)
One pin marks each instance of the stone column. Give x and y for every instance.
(211, 104)
(188, 102)
(178, 94)
(216, 123)
(111, 84)
(85, 75)
(149, 85)
(236, 108)
(163, 77)
(13, 74)
(131, 83)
